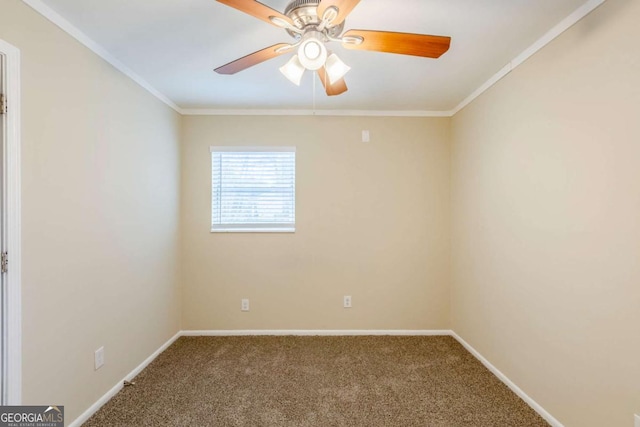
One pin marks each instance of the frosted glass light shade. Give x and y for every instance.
(336, 69)
(293, 70)
(312, 52)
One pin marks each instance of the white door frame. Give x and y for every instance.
(11, 169)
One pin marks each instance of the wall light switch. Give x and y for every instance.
(244, 306)
(98, 358)
(366, 137)
(637, 418)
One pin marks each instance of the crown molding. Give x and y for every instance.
(551, 35)
(74, 32)
(348, 113)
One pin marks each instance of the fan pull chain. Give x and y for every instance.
(314, 96)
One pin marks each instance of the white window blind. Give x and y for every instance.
(253, 189)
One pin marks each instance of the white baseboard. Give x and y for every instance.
(116, 388)
(319, 332)
(517, 390)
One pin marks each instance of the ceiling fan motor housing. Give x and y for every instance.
(304, 13)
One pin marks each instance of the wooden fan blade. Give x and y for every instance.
(253, 59)
(401, 43)
(344, 8)
(258, 10)
(337, 88)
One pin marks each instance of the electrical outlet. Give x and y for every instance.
(637, 418)
(347, 301)
(244, 306)
(98, 358)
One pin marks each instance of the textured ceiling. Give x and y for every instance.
(175, 45)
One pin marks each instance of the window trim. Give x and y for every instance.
(252, 228)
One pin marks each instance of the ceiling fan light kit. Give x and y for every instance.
(312, 24)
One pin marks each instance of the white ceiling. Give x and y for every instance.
(175, 45)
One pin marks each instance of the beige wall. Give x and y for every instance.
(100, 181)
(541, 185)
(372, 222)
(546, 222)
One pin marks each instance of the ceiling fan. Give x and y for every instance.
(312, 24)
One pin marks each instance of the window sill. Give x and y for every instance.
(254, 230)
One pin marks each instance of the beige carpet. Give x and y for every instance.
(316, 381)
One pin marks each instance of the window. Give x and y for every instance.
(253, 189)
